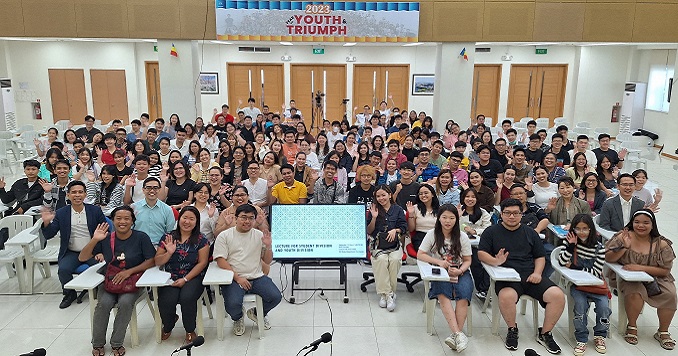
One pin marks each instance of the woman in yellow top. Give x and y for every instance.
(200, 170)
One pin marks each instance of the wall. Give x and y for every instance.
(661, 123)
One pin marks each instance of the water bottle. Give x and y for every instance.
(455, 182)
(420, 179)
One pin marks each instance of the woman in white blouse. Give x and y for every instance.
(208, 212)
(422, 214)
(543, 189)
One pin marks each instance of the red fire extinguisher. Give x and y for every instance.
(37, 111)
(615, 112)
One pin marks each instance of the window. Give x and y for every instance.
(660, 81)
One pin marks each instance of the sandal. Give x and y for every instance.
(666, 343)
(98, 351)
(631, 338)
(119, 351)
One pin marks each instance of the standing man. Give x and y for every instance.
(25, 192)
(154, 217)
(86, 133)
(511, 244)
(242, 249)
(361, 118)
(290, 148)
(75, 224)
(289, 191)
(287, 112)
(224, 113)
(250, 110)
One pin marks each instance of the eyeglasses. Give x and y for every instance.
(512, 213)
(585, 230)
(627, 185)
(246, 218)
(252, 168)
(152, 188)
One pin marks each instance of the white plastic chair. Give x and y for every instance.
(520, 125)
(526, 119)
(543, 122)
(583, 124)
(4, 154)
(559, 121)
(15, 255)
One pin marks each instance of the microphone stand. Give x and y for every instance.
(311, 350)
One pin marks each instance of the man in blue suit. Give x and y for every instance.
(76, 224)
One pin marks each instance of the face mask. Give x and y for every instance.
(335, 129)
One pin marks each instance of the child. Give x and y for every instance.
(585, 252)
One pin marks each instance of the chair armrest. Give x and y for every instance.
(499, 273)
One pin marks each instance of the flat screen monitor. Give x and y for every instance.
(318, 231)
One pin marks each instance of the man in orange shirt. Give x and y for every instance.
(290, 148)
(400, 135)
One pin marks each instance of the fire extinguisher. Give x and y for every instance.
(37, 110)
(615, 112)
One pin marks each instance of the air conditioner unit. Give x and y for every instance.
(7, 106)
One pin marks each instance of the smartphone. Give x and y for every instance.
(435, 271)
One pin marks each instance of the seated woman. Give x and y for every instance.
(504, 184)
(585, 252)
(85, 164)
(185, 253)
(422, 214)
(445, 190)
(473, 221)
(385, 223)
(578, 169)
(542, 190)
(447, 247)
(640, 247)
(133, 252)
(48, 166)
(177, 190)
(208, 212)
(484, 194)
(607, 173)
(304, 173)
(193, 151)
(391, 173)
(200, 170)
(106, 193)
(644, 194)
(591, 192)
(563, 209)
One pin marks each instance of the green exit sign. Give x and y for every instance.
(155, 48)
(318, 51)
(540, 51)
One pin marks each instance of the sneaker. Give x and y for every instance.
(382, 301)
(512, 338)
(390, 302)
(600, 344)
(580, 349)
(252, 314)
(451, 341)
(239, 327)
(546, 339)
(68, 299)
(462, 341)
(481, 295)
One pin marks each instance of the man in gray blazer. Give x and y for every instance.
(617, 211)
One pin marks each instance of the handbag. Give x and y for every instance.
(599, 289)
(381, 242)
(129, 285)
(652, 288)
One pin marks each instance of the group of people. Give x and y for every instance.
(177, 196)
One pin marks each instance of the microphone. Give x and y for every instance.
(324, 338)
(530, 352)
(195, 343)
(36, 352)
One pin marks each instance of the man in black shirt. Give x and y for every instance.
(490, 168)
(605, 150)
(567, 144)
(26, 192)
(500, 152)
(247, 131)
(406, 188)
(88, 131)
(557, 148)
(533, 153)
(511, 244)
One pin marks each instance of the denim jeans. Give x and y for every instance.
(581, 311)
(262, 286)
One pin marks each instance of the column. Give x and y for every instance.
(453, 84)
(179, 84)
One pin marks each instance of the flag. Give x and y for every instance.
(463, 54)
(173, 51)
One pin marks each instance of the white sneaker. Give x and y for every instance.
(390, 302)
(239, 327)
(451, 342)
(382, 301)
(461, 341)
(252, 314)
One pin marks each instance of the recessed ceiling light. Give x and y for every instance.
(287, 43)
(350, 44)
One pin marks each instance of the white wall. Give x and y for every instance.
(661, 123)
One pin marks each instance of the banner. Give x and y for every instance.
(304, 21)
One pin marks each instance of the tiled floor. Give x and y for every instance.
(360, 327)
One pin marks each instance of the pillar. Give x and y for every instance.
(453, 84)
(179, 86)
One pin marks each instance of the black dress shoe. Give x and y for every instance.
(69, 298)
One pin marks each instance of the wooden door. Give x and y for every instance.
(374, 83)
(485, 94)
(521, 91)
(109, 95)
(67, 91)
(153, 94)
(328, 79)
(551, 82)
(244, 80)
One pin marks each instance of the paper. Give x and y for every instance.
(502, 273)
(580, 278)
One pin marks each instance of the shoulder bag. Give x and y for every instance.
(129, 285)
(652, 288)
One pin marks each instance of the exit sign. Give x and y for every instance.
(155, 48)
(318, 51)
(540, 51)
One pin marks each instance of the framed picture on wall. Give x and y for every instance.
(423, 84)
(209, 83)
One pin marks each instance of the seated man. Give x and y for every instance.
(617, 212)
(514, 245)
(242, 249)
(76, 224)
(289, 191)
(25, 192)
